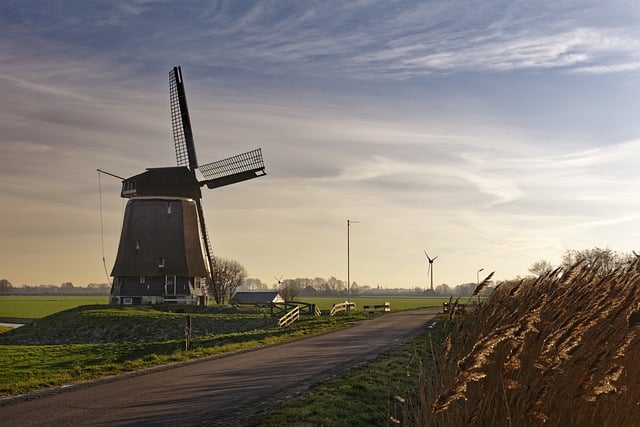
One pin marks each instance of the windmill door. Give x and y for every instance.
(170, 284)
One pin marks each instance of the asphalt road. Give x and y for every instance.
(220, 391)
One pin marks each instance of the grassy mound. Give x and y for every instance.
(557, 350)
(92, 341)
(99, 324)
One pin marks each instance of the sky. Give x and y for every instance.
(491, 134)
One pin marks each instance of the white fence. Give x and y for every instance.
(290, 317)
(340, 307)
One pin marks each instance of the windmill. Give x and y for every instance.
(430, 271)
(164, 254)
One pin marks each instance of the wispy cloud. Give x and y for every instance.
(436, 124)
(368, 39)
(416, 39)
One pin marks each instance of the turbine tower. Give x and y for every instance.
(430, 271)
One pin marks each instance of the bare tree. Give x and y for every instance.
(603, 260)
(289, 289)
(355, 289)
(444, 289)
(67, 287)
(228, 276)
(5, 285)
(540, 268)
(253, 284)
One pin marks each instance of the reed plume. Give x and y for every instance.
(558, 349)
(483, 284)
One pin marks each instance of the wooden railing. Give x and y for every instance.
(340, 307)
(290, 317)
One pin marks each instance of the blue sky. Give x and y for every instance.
(492, 134)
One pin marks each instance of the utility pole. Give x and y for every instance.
(349, 222)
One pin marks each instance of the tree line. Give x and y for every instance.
(66, 288)
(230, 276)
(333, 287)
(604, 261)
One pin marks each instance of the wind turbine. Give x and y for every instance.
(430, 272)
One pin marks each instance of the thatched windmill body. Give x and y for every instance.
(164, 254)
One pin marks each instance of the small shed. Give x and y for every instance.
(257, 298)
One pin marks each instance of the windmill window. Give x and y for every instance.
(137, 245)
(142, 279)
(161, 262)
(169, 208)
(129, 187)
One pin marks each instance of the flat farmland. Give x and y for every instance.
(397, 303)
(39, 306)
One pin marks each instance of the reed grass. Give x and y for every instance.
(560, 349)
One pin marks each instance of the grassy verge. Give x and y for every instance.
(375, 394)
(94, 341)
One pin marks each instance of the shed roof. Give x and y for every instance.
(261, 297)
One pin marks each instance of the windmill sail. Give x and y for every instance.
(185, 147)
(180, 121)
(164, 248)
(233, 169)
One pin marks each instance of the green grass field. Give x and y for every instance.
(397, 303)
(37, 307)
(93, 341)
(80, 338)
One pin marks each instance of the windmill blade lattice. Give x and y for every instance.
(180, 121)
(233, 169)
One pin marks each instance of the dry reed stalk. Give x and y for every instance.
(538, 344)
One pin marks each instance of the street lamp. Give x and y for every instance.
(478, 276)
(349, 222)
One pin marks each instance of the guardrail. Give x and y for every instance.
(340, 307)
(290, 317)
(378, 308)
